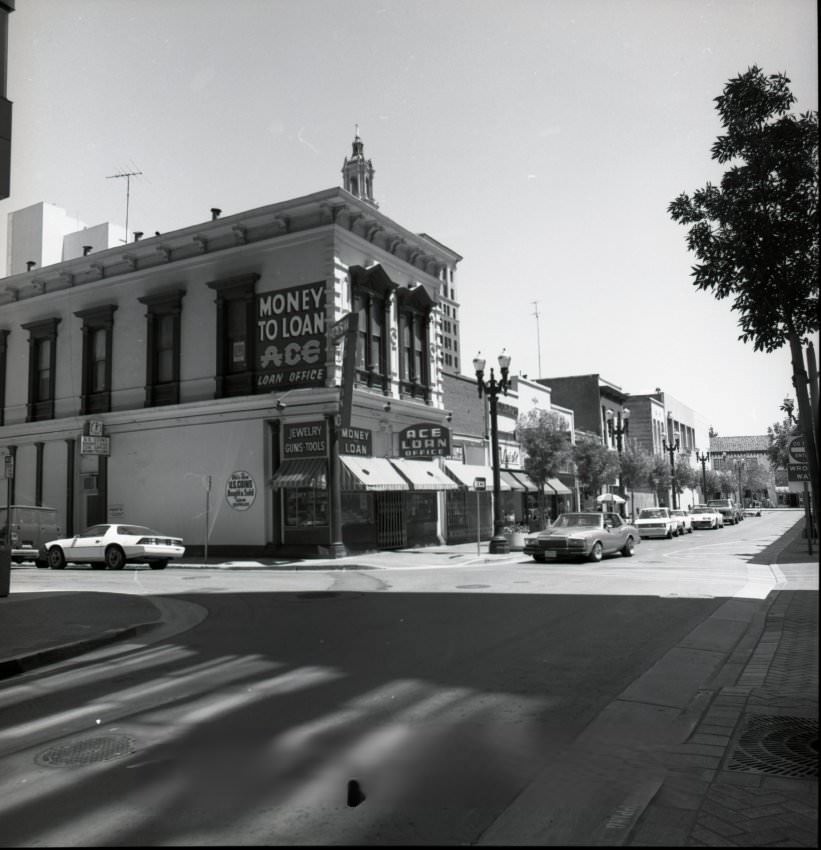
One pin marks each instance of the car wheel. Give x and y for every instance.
(114, 558)
(690, 530)
(596, 552)
(56, 558)
(627, 549)
(669, 535)
(41, 564)
(539, 558)
(158, 565)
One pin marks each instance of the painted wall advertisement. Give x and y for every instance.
(240, 490)
(290, 338)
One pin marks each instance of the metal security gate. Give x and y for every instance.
(391, 531)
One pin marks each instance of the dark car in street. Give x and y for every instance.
(583, 535)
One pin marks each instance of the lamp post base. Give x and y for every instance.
(498, 545)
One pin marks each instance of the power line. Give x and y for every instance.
(128, 175)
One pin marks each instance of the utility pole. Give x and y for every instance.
(538, 338)
(128, 175)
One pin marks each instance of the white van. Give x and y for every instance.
(31, 525)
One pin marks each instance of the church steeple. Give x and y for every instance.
(357, 172)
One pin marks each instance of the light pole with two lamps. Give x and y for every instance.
(491, 388)
(671, 450)
(702, 458)
(617, 425)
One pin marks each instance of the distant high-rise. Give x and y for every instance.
(6, 6)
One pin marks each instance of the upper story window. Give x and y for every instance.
(371, 291)
(42, 368)
(162, 369)
(235, 372)
(414, 310)
(98, 325)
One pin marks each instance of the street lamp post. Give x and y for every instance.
(491, 388)
(702, 458)
(617, 425)
(671, 450)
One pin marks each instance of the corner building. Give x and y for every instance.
(193, 382)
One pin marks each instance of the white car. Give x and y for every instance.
(656, 522)
(112, 546)
(685, 522)
(705, 516)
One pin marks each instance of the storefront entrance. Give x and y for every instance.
(391, 529)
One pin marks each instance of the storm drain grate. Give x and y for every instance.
(88, 751)
(778, 746)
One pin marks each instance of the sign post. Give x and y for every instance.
(479, 485)
(798, 476)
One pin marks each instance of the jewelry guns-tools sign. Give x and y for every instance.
(290, 337)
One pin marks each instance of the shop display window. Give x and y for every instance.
(306, 507)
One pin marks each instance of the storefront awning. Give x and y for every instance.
(509, 478)
(307, 472)
(561, 489)
(424, 474)
(465, 473)
(370, 473)
(527, 482)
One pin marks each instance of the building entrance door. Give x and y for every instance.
(391, 528)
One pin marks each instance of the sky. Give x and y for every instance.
(542, 140)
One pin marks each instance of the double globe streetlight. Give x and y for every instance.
(671, 450)
(702, 458)
(617, 425)
(491, 388)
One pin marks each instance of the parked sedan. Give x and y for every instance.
(112, 546)
(705, 516)
(656, 522)
(583, 535)
(685, 522)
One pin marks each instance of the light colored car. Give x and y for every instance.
(586, 534)
(729, 510)
(705, 516)
(685, 522)
(753, 509)
(656, 522)
(112, 546)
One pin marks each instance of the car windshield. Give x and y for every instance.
(702, 509)
(653, 513)
(577, 521)
(94, 531)
(678, 513)
(137, 530)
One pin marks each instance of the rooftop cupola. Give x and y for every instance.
(357, 172)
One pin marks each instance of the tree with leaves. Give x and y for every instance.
(545, 446)
(756, 235)
(659, 478)
(635, 465)
(780, 434)
(596, 465)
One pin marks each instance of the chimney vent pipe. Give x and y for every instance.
(138, 234)
(30, 264)
(87, 250)
(215, 213)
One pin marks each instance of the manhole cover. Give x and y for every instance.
(779, 746)
(88, 751)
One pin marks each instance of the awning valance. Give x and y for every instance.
(561, 489)
(306, 472)
(465, 473)
(509, 478)
(424, 474)
(527, 482)
(370, 473)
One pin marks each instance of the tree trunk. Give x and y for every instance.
(805, 416)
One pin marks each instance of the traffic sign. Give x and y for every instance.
(797, 450)
(798, 472)
(480, 484)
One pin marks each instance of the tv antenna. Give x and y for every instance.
(128, 175)
(538, 337)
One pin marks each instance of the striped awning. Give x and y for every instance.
(527, 482)
(424, 474)
(309, 472)
(561, 489)
(465, 473)
(370, 473)
(508, 477)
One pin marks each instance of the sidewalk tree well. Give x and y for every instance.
(545, 446)
(596, 465)
(756, 235)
